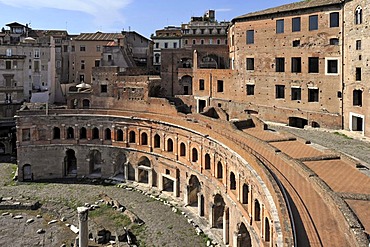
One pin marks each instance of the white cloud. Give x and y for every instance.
(104, 12)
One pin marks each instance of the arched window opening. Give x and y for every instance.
(119, 135)
(86, 104)
(244, 238)
(144, 138)
(157, 141)
(70, 133)
(194, 155)
(358, 15)
(95, 133)
(108, 134)
(257, 210)
(169, 145)
(83, 133)
(245, 194)
(207, 162)
(56, 133)
(232, 181)
(219, 170)
(132, 137)
(267, 230)
(182, 149)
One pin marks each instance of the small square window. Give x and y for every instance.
(220, 85)
(279, 91)
(334, 41)
(250, 63)
(82, 48)
(313, 95)
(332, 66)
(296, 43)
(279, 26)
(296, 24)
(103, 88)
(250, 89)
(250, 37)
(26, 134)
(296, 93)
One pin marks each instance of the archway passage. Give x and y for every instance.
(144, 166)
(168, 184)
(95, 162)
(70, 163)
(297, 122)
(218, 211)
(119, 166)
(187, 83)
(2, 148)
(27, 172)
(193, 189)
(244, 238)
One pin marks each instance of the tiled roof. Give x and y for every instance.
(99, 36)
(304, 4)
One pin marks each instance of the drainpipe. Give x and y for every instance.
(343, 64)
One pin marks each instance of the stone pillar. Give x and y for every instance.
(176, 192)
(210, 214)
(125, 137)
(150, 178)
(160, 182)
(186, 195)
(226, 226)
(125, 171)
(235, 239)
(200, 204)
(83, 213)
(63, 131)
(136, 174)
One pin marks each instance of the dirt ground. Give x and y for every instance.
(59, 201)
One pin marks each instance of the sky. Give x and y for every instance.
(142, 16)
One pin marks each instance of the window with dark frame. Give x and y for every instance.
(220, 86)
(250, 36)
(296, 93)
(296, 24)
(357, 97)
(358, 74)
(103, 88)
(358, 45)
(334, 19)
(313, 95)
(201, 84)
(296, 65)
(332, 66)
(280, 26)
(334, 41)
(313, 23)
(296, 43)
(280, 64)
(279, 91)
(250, 89)
(313, 65)
(250, 63)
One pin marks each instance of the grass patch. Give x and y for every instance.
(342, 135)
(106, 214)
(11, 170)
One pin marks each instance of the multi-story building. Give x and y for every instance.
(167, 38)
(356, 106)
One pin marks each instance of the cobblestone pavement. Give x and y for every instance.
(341, 141)
(162, 227)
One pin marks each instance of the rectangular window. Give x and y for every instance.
(250, 37)
(250, 63)
(8, 52)
(296, 65)
(334, 41)
(36, 66)
(65, 48)
(313, 95)
(357, 97)
(358, 74)
(332, 66)
(36, 53)
(82, 48)
(98, 48)
(313, 22)
(26, 134)
(157, 45)
(296, 24)
(82, 64)
(103, 88)
(194, 41)
(279, 26)
(165, 45)
(296, 93)
(358, 45)
(175, 45)
(280, 64)
(296, 43)
(334, 19)
(201, 84)
(220, 85)
(8, 64)
(313, 65)
(250, 89)
(73, 48)
(279, 91)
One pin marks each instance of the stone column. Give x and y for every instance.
(186, 195)
(125, 171)
(210, 214)
(83, 213)
(226, 226)
(200, 204)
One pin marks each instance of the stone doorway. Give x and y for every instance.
(243, 237)
(27, 172)
(96, 163)
(70, 163)
(144, 168)
(218, 211)
(193, 189)
(119, 166)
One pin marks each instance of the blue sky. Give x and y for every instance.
(142, 16)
